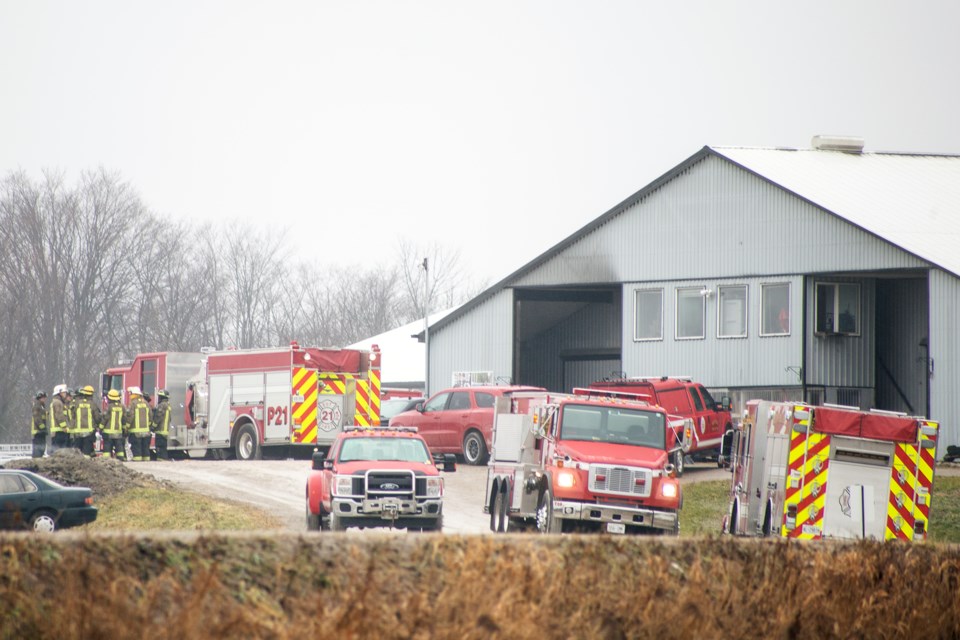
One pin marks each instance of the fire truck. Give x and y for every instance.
(586, 461)
(706, 426)
(815, 472)
(244, 401)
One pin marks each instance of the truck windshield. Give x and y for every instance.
(617, 425)
(398, 449)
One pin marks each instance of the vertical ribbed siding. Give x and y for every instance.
(902, 327)
(717, 220)
(945, 351)
(842, 361)
(481, 340)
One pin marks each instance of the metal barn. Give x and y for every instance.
(828, 275)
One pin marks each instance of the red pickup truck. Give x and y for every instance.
(708, 424)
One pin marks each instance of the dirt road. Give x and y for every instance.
(278, 487)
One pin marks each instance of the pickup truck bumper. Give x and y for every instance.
(602, 513)
(388, 508)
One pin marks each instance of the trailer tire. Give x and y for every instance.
(546, 523)
(678, 461)
(247, 446)
(474, 448)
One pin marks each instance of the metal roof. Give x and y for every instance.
(910, 200)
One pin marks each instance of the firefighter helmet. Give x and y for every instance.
(86, 390)
(60, 388)
(71, 392)
(134, 391)
(163, 393)
(113, 394)
(41, 394)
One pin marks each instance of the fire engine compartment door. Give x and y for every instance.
(856, 500)
(508, 439)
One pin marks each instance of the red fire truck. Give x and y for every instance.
(240, 402)
(586, 461)
(811, 473)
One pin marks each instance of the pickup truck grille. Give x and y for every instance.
(622, 481)
(382, 484)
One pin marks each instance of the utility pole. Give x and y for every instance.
(426, 327)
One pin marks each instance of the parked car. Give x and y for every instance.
(30, 501)
(458, 420)
(393, 406)
(378, 477)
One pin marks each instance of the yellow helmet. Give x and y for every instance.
(113, 394)
(86, 390)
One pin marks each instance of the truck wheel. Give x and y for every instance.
(474, 448)
(734, 516)
(678, 459)
(504, 508)
(767, 527)
(44, 522)
(546, 523)
(313, 521)
(248, 445)
(495, 510)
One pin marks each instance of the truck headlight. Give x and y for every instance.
(668, 489)
(343, 485)
(434, 487)
(565, 479)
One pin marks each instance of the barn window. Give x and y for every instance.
(648, 314)
(732, 311)
(691, 313)
(775, 309)
(838, 308)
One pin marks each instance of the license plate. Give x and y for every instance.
(616, 527)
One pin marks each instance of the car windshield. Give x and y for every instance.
(398, 449)
(392, 407)
(613, 424)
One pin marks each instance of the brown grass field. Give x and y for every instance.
(185, 586)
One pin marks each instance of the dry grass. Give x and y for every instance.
(353, 586)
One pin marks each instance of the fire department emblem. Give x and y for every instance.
(845, 502)
(329, 416)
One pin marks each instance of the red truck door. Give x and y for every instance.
(455, 418)
(707, 423)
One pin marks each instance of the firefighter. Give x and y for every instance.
(161, 423)
(71, 427)
(57, 418)
(38, 425)
(112, 427)
(137, 419)
(86, 418)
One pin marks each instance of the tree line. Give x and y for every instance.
(89, 275)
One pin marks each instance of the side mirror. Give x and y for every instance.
(317, 459)
(328, 464)
(419, 407)
(449, 462)
(725, 403)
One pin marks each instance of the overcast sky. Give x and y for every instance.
(498, 128)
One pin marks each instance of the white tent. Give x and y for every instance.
(403, 355)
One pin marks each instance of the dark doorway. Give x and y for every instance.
(902, 338)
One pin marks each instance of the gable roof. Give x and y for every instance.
(911, 201)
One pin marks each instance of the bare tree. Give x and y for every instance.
(447, 281)
(252, 265)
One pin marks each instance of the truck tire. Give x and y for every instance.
(767, 527)
(247, 446)
(495, 508)
(474, 448)
(313, 521)
(504, 525)
(734, 516)
(546, 523)
(678, 461)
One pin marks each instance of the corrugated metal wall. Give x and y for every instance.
(716, 220)
(717, 362)
(479, 341)
(842, 361)
(945, 351)
(902, 326)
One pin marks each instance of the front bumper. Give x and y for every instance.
(388, 508)
(603, 513)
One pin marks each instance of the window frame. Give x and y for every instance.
(703, 314)
(745, 314)
(636, 300)
(835, 317)
(763, 289)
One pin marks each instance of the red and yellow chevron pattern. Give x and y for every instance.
(911, 479)
(807, 467)
(304, 405)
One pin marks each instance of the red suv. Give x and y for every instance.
(709, 423)
(376, 477)
(458, 420)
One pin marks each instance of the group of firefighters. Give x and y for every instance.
(73, 420)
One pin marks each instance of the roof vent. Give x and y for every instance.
(849, 144)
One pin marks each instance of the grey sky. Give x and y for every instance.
(497, 127)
